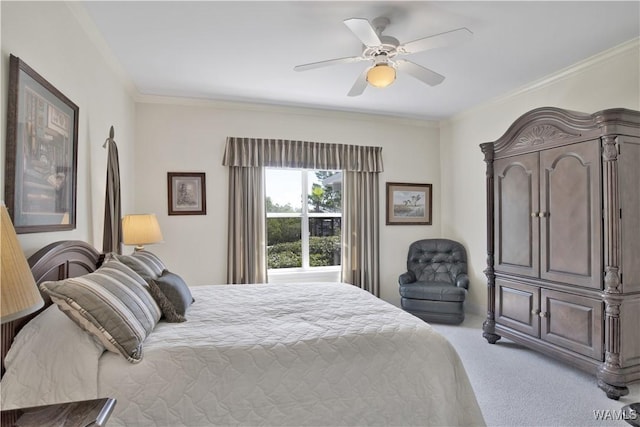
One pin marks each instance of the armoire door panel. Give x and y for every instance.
(630, 214)
(629, 342)
(517, 306)
(572, 321)
(571, 214)
(516, 226)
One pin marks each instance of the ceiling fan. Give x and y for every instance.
(383, 52)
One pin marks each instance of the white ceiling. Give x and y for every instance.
(246, 51)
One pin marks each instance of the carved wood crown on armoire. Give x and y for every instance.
(563, 240)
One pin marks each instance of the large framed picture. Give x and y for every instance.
(41, 153)
(187, 193)
(408, 204)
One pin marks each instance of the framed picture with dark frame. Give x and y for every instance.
(41, 153)
(187, 193)
(408, 204)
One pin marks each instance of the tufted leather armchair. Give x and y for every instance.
(435, 284)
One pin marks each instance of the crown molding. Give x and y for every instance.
(565, 73)
(283, 109)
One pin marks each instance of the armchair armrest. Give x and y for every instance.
(406, 278)
(462, 280)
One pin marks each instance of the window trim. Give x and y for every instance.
(315, 274)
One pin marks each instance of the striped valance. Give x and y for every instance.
(283, 153)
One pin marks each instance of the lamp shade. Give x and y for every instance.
(140, 230)
(19, 293)
(381, 75)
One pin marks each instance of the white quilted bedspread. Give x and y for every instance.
(304, 354)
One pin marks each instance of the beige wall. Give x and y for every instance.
(190, 137)
(609, 80)
(48, 36)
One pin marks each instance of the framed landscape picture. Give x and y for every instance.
(187, 193)
(408, 204)
(41, 153)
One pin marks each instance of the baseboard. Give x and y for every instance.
(471, 308)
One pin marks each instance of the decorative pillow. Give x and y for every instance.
(168, 311)
(145, 263)
(176, 292)
(113, 303)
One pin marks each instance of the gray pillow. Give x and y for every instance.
(168, 311)
(113, 303)
(145, 263)
(175, 290)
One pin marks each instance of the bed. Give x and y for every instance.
(264, 354)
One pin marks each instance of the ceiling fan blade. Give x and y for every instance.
(360, 85)
(364, 31)
(327, 63)
(439, 40)
(419, 72)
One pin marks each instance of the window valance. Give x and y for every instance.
(284, 153)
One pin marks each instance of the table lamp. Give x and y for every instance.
(18, 290)
(140, 230)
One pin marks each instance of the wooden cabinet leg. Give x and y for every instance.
(613, 392)
(489, 331)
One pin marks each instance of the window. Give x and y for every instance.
(303, 218)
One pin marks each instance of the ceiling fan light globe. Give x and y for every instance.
(381, 75)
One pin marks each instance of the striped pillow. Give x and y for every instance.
(145, 263)
(113, 303)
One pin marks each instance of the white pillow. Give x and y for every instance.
(51, 360)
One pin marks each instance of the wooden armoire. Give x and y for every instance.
(563, 240)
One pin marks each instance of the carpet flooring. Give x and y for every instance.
(516, 386)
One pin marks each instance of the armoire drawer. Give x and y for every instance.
(572, 321)
(518, 306)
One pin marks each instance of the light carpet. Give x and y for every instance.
(516, 386)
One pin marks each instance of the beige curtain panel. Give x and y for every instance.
(282, 153)
(361, 231)
(247, 237)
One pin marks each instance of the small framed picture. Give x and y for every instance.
(408, 204)
(187, 193)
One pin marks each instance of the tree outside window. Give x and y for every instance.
(303, 235)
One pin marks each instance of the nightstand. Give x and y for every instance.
(83, 413)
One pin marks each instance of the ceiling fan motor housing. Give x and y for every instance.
(381, 58)
(388, 47)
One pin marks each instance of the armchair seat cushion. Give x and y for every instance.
(434, 311)
(433, 291)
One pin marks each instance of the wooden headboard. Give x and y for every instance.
(57, 261)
